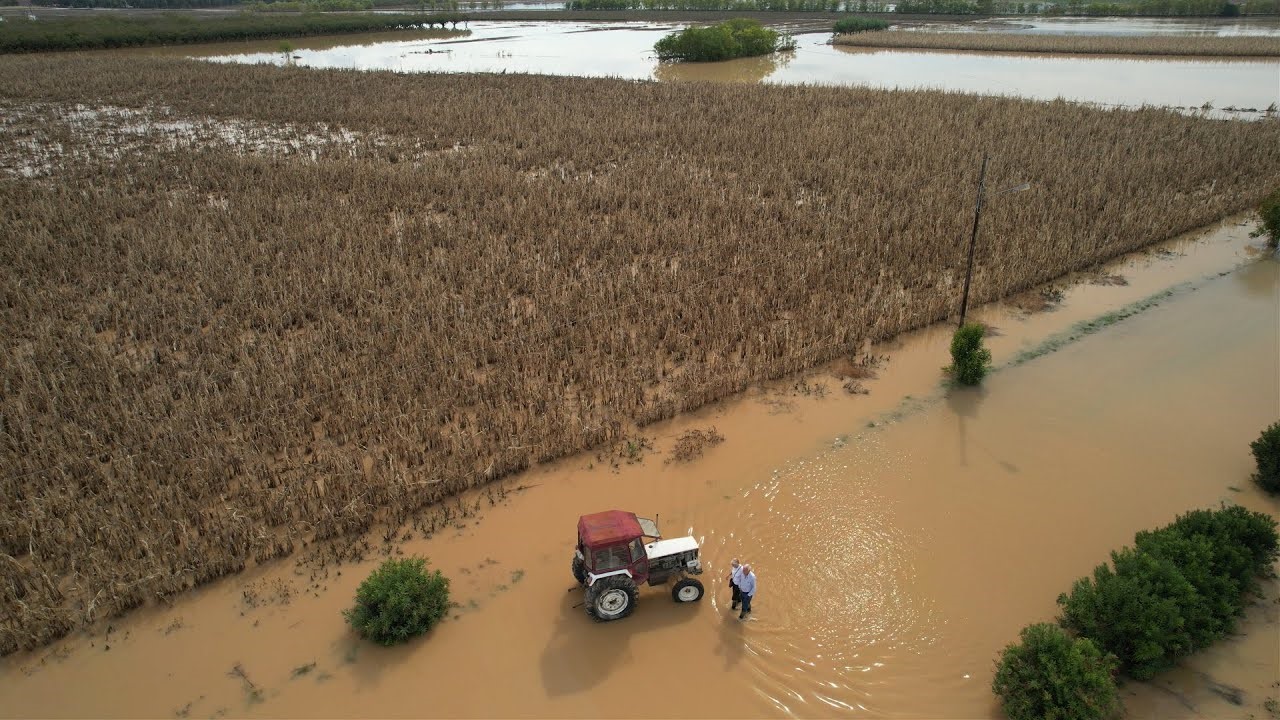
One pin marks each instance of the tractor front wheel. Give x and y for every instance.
(687, 590)
(579, 570)
(611, 598)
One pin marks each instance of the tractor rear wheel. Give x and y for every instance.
(687, 590)
(579, 570)
(611, 598)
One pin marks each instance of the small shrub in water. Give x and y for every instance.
(734, 38)
(399, 600)
(970, 361)
(1051, 675)
(1266, 449)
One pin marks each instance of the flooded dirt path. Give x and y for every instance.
(901, 539)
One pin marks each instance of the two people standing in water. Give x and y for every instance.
(742, 580)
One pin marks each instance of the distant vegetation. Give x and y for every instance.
(399, 600)
(945, 7)
(196, 4)
(858, 24)
(296, 6)
(1266, 454)
(1092, 44)
(1177, 590)
(19, 34)
(735, 38)
(716, 5)
(970, 361)
(1269, 213)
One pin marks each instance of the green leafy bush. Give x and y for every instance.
(1135, 612)
(858, 24)
(1266, 449)
(970, 361)
(399, 600)
(1176, 591)
(1052, 676)
(1245, 543)
(734, 38)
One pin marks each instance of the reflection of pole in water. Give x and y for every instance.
(964, 402)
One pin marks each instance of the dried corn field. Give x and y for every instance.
(1197, 46)
(247, 308)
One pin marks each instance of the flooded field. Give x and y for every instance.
(625, 50)
(1109, 26)
(901, 539)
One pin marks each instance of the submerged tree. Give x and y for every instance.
(734, 38)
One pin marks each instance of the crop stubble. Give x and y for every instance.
(1177, 45)
(218, 349)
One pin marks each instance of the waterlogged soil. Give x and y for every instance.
(901, 537)
(626, 50)
(1203, 27)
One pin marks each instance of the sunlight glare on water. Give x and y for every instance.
(837, 570)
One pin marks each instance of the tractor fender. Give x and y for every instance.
(592, 577)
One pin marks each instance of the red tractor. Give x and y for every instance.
(617, 552)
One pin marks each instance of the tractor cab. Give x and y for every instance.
(618, 551)
(612, 541)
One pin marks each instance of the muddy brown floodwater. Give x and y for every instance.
(1246, 85)
(901, 539)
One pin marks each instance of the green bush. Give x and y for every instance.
(1177, 590)
(734, 38)
(1052, 676)
(1245, 543)
(1211, 615)
(1269, 210)
(970, 361)
(1266, 449)
(1135, 612)
(858, 24)
(399, 600)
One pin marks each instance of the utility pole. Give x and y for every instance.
(973, 238)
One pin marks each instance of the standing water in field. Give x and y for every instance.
(626, 50)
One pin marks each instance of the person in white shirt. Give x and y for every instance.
(747, 588)
(735, 574)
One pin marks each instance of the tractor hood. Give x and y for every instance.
(674, 546)
(608, 528)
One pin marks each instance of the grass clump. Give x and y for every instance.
(1269, 209)
(858, 24)
(1050, 674)
(1266, 453)
(739, 37)
(970, 361)
(399, 600)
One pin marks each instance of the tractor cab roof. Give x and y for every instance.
(608, 528)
